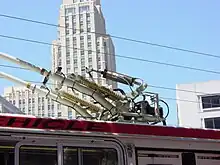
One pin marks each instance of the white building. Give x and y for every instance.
(198, 104)
(32, 103)
(82, 42)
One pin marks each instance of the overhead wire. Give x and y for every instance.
(114, 36)
(123, 38)
(167, 98)
(117, 55)
(152, 86)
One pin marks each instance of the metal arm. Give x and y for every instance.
(53, 96)
(58, 77)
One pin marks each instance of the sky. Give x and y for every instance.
(186, 24)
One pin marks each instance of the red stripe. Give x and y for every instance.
(78, 125)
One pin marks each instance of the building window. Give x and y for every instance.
(67, 25)
(67, 41)
(213, 123)
(70, 114)
(68, 70)
(89, 37)
(75, 61)
(74, 18)
(81, 38)
(210, 102)
(82, 45)
(59, 114)
(90, 60)
(83, 9)
(90, 45)
(90, 52)
(70, 11)
(67, 32)
(68, 61)
(67, 19)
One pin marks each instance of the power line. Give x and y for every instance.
(181, 90)
(167, 98)
(117, 37)
(117, 55)
(153, 86)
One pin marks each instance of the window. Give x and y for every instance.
(70, 114)
(89, 37)
(90, 156)
(210, 102)
(7, 152)
(59, 114)
(90, 52)
(83, 9)
(67, 32)
(89, 45)
(212, 123)
(38, 155)
(67, 18)
(67, 41)
(70, 11)
(75, 61)
(81, 38)
(90, 59)
(68, 61)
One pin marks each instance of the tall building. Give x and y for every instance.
(82, 41)
(198, 104)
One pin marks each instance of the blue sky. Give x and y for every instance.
(188, 24)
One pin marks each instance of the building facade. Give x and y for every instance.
(7, 107)
(81, 42)
(198, 104)
(33, 103)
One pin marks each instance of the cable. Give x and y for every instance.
(167, 98)
(168, 109)
(121, 56)
(182, 90)
(117, 37)
(153, 86)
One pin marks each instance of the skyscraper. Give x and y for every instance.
(82, 41)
